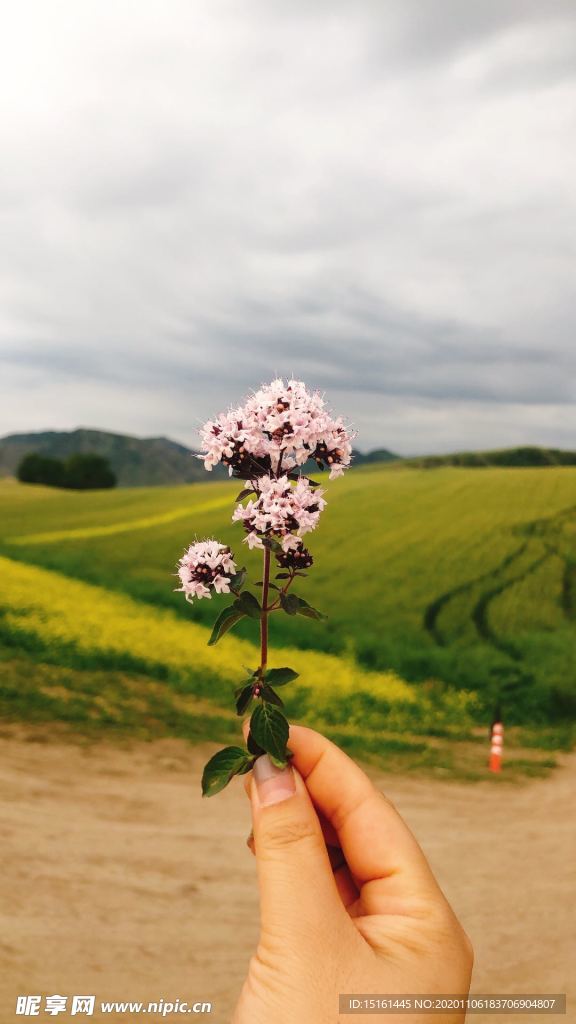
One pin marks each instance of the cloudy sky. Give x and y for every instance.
(377, 196)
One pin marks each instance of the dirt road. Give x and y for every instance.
(118, 880)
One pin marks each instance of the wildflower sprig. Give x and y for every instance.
(264, 442)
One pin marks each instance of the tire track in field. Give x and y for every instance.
(535, 529)
(480, 611)
(434, 609)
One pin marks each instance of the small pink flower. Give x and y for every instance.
(253, 540)
(280, 510)
(290, 542)
(206, 565)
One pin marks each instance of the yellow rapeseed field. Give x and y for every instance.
(63, 613)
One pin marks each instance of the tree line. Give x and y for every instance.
(80, 472)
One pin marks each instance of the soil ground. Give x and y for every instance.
(118, 880)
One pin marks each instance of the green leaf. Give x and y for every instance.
(222, 767)
(237, 580)
(294, 605)
(244, 494)
(282, 576)
(306, 609)
(267, 693)
(248, 605)
(239, 688)
(270, 729)
(254, 747)
(243, 699)
(280, 676)
(225, 621)
(289, 603)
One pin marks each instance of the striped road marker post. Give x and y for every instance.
(496, 745)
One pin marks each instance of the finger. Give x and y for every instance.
(381, 852)
(297, 887)
(347, 888)
(336, 857)
(328, 830)
(346, 885)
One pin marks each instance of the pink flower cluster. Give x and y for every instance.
(205, 566)
(279, 428)
(282, 511)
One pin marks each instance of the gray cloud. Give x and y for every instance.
(377, 197)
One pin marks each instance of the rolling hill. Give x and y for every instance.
(528, 455)
(461, 577)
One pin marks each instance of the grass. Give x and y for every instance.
(58, 701)
(445, 590)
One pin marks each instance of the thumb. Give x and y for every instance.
(297, 888)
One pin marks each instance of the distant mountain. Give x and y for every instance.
(525, 456)
(137, 462)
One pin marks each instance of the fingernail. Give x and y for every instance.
(272, 784)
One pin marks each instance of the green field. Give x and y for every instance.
(447, 590)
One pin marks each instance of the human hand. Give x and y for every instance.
(376, 923)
